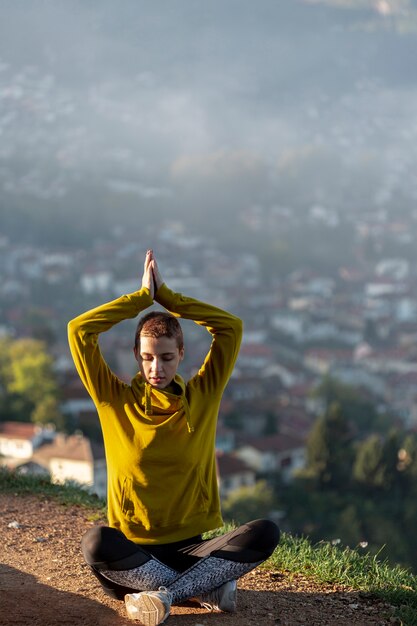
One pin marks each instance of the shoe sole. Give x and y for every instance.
(147, 609)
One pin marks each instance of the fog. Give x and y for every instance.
(191, 105)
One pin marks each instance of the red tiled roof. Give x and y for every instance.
(18, 430)
(228, 464)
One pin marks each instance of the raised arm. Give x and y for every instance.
(225, 328)
(83, 332)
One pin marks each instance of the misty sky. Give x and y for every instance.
(156, 94)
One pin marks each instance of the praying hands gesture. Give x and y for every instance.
(151, 276)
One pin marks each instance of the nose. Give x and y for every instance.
(157, 366)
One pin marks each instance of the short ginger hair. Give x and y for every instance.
(159, 324)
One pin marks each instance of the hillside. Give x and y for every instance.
(44, 581)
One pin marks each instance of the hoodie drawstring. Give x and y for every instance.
(188, 415)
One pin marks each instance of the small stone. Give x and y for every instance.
(14, 525)
(40, 539)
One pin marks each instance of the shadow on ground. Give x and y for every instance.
(26, 602)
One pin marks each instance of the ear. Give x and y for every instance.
(181, 354)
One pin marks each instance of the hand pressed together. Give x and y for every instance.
(151, 278)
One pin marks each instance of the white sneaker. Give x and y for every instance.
(150, 608)
(223, 598)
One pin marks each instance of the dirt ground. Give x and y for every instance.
(44, 582)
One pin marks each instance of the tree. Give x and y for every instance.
(248, 503)
(329, 448)
(354, 405)
(377, 464)
(407, 457)
(47, 412)
(30, 370)
(28, 386)
(368, 468)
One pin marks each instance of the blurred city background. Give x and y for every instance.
(267, 153)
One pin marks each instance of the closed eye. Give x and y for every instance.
(165, 357)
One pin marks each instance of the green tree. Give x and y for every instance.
(354, 405)
(28, 385)
(248, 503)
(329, 448)
(390, 452)
(368, 467)
(377, 463)
(47, 412)
(30, 370)
(407, 458)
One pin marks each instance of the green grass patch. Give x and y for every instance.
(70, 493)
(354, 568)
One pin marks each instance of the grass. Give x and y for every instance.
(324, 562)
(354, 568)
(69, 494)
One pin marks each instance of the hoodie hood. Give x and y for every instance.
(166, 401)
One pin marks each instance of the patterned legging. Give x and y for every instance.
(187, 568)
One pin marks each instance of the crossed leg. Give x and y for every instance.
(187, 568)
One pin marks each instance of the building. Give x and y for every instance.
(276, 453)
(233, 473)
(75, 458)
(19, 440)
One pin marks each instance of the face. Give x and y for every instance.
(158, 358)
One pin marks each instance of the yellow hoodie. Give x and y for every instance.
(160, 444)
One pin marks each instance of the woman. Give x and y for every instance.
(159, 436)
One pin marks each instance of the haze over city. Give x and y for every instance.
(195, 107)
(267, 153)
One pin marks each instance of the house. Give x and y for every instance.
(19, 440)
(75, 458)
(232, 473)
(275, 453)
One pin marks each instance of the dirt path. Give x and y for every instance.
(44, 582)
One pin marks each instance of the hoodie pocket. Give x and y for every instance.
(132, 507)
(167, 504)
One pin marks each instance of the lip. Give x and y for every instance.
(156, 380)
